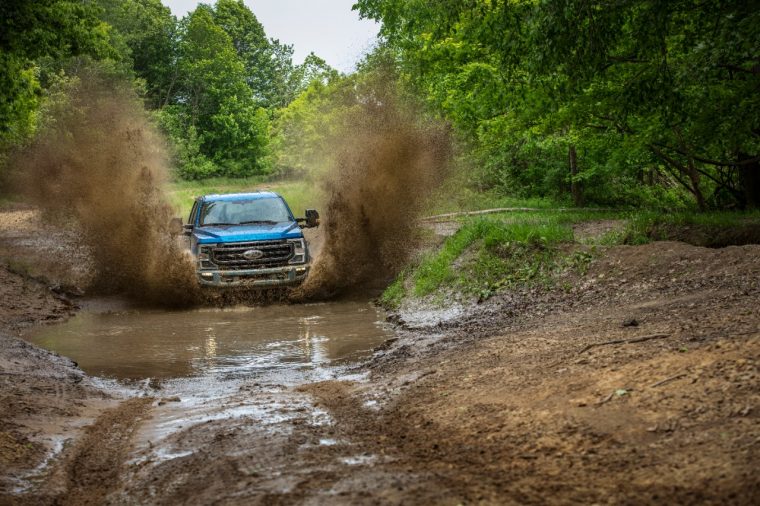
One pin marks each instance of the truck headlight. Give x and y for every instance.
(299, 251)
(204, 251)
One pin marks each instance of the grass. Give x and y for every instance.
(298, 194)
(528, 248)
(453, 197)
(710, 229)
(467, 199)
(493, 252)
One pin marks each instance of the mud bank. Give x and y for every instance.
(44, 398)
(552, 398)
(640, 384)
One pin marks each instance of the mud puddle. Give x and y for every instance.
(207, 374)
(218, 343)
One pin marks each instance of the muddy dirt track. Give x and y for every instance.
(636, 384)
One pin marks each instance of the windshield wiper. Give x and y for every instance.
(217, 224)
(251, 222)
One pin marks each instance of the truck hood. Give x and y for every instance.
(246, 233)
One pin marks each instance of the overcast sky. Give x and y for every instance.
(329, 28)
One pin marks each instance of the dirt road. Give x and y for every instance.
(637, 383)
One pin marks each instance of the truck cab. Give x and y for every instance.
(248, 239)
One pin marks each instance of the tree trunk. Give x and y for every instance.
(749, 176)
(691, 170)
(694, 178)
(575, 187)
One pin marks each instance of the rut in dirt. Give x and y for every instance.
(96, 462)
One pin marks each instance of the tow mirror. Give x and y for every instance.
(311, 220)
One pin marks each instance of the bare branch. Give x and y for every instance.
(708, 161)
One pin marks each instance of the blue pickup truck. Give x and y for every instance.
(248, 239)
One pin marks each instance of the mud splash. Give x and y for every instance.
(387, 161)
(100, 162)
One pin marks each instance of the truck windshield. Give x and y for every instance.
(239, 212)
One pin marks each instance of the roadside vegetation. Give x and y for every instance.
(648, 105)
(525, 249)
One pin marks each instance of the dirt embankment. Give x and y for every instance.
(640, 386)
(42, 395)
(45, 399)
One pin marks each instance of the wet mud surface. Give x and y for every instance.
(222, 343)
(639, 384)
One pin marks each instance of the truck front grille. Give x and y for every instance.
(231, 256)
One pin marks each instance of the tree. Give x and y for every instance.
(251, 44)
(31, 30)
(149, 31)
(269, 70)
(215, 99)
(666, 84)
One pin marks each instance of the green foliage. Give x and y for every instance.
(304, 129)
(500, 254)
(269, 70)
(147, 33)
(190, 162)
(214, 117)
(229, 79)
(658, 99)
(393, 295)
(33, 30)
(214, 80)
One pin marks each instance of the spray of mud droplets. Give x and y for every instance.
(387, 161)
(100, 162)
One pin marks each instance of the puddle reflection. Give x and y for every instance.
(233, 341)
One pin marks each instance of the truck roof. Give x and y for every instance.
(239, 196)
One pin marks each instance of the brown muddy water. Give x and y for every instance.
(220, 343)
(233, 369)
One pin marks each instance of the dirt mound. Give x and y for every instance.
(100, 162)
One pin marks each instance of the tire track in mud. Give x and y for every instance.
(95, 465)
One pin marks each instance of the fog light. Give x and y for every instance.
(207, 275)
(300, 270)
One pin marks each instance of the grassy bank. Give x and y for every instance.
(522, 249)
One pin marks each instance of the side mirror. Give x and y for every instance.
(175, 227)
(311, 220)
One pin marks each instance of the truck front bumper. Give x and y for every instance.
(255, 278)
